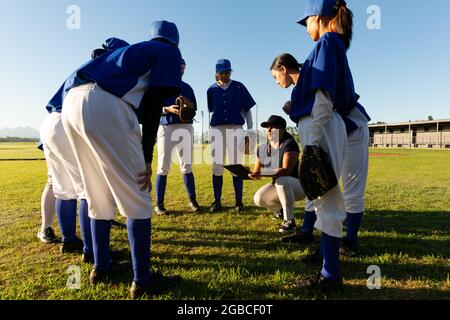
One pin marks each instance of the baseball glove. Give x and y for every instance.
(316, 173)
(186, 109)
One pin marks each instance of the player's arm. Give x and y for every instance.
(321, 114)
(289, 161)
(151, 105)
(256, 173)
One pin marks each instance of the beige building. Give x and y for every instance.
(420, 134)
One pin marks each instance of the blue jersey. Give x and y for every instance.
(55, 104)
(170, 118)
(128, 72)
(327, 69)
(227, 105)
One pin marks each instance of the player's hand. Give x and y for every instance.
(255, 175)
(145, 178)
(173, 109)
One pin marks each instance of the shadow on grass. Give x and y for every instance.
(409, 222)
(405, 237)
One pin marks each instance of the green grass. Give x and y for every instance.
(229, 256)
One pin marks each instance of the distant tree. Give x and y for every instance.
(430, 118)
(18, 139)
(294, 132)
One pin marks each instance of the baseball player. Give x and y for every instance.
(280, 195)
(230, 104)
(102, 111)
(171, 127)
(64, 177)
(323, 92)
(47, 234)
(354, 178)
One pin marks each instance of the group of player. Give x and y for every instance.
(108, 115)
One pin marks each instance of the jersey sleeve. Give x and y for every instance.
(166, 71)
(247, 99)
(55, 104)
(191, 96)
(324, 70)
(292, 146)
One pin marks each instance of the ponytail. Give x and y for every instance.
(342, 22)
(286, 60)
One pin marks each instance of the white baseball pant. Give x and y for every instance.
(355, 167)
(169, 143)
(330, 208)
(282, 194)
(228, 139)
(61, 161)
(105, 135)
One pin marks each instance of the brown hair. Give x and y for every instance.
(342, 22)
(286, 60)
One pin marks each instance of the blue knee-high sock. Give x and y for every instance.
(139, 237)
(189, 184)
(85, 227)
(353, 224)
(238, 184)
(217, 185)
(161, 183)
(330, 250)
(101, 231)
(308, 222)
(66, 210)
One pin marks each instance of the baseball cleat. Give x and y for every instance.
(48, 236)
(193, 204)
(319, 282)
(240, 207)
(115, 268)
(160, 210)
(71, 247)
(288, 226)
(87, 258)
(216, 206)
(158, 283)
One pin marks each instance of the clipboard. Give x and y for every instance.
(239, 170)
(243, 172)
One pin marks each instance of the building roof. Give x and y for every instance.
(412, 123)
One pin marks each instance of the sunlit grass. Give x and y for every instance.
(239, 256)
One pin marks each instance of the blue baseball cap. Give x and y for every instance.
(318, 8)
(165, 30)
(183, 62)
(115, 43)
(223, 65)
(110, 44)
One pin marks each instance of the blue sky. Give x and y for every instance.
(401, 71)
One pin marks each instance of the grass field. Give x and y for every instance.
(406, 232)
